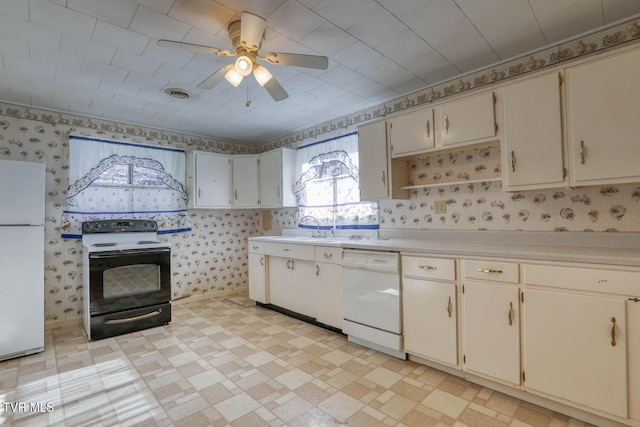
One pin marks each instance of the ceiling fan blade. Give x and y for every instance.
(215, 78)
(276, 91)
(197, 48)
(251, 30)
(298, 60)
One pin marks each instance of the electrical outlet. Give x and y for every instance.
(440, 206)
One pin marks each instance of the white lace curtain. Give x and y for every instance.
(327, 186)
(116, 180)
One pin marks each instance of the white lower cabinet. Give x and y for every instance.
(430, 309)
(291, 285)
(257, 273)
(491, 330)
(329, 286)
(575, 348)
(429, 315)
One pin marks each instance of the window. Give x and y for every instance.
(328, 186)
(115, 180)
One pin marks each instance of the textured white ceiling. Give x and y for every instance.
(99, 58)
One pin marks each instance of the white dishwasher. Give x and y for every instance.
(371, 300)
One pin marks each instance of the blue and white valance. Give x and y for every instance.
(117, 180)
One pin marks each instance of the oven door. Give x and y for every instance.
(129, 279)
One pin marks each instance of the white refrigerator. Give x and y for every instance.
(22, 197)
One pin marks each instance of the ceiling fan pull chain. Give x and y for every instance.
(248, 95)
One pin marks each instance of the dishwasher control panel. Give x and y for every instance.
(371, 260)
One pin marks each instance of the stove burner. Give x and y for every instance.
(102, 245)
(147, 242)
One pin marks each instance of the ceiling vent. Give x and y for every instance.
(178, 93)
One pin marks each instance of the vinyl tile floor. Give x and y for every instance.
(224, 362)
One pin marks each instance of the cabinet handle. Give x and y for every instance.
(446, 124)
(582, 152)
(428, 129)
(327, 256)
(384, 179)
(449, 307)
(317, 270)
(289, 264)
(235, 194)
(510, 314)
(255, 247)
(513, 161)
(278, 191)
(489, 270)
(262, 261)
(613, 331)
(427, 267)
(293, 264)
(199, 193)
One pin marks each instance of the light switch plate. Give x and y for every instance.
(440, 206)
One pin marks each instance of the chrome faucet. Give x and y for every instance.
(317, 233)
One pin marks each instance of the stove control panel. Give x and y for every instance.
(119, 226)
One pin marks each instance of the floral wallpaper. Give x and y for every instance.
(212, 256)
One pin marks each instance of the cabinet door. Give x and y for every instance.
(467, 120)
(574, 350)
(270, 179)
(532, 153)
(411, 133)
(245, 181)
(279, 278)
(372, 155)
(329, 294)
(491, 330)
(602, 110)
(257, 278)
(212, 183)
(303, 288)
(429, 319)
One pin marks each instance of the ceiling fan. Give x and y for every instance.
(246, 35)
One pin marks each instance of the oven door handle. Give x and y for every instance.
(118, 253)
(133, 319)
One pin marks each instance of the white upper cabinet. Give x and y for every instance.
(411, 133)
(532, 139)
(470, 119)
(380, 177)
(603, 123)
(208, 180)
(245, 181)
(277, 178)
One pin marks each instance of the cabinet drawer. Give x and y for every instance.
(582, 278)
(256, 247)
(289, 250)
(328, 255)
(430, 268)
(491, 270)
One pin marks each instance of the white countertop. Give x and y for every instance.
(596, 248)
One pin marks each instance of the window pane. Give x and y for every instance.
(145, 176)
(116, 175)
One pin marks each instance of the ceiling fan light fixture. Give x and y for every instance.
(243, 65)
(233, 77)
(262, 75)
